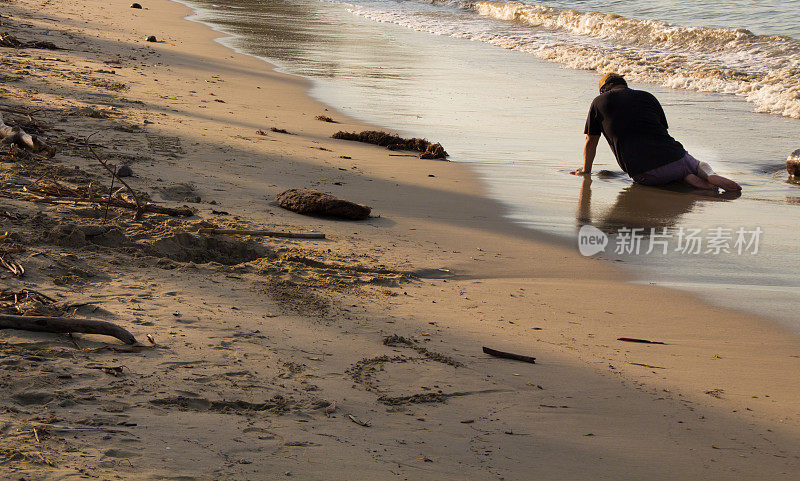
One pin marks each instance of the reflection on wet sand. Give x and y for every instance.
(640, 206)
(302, 33)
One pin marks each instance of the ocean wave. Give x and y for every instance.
(647, 33)
(765, 70)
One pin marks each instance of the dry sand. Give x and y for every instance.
(270, 359)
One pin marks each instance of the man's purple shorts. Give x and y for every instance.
(671, 172)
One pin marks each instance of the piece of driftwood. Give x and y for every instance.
(642, 341)
(116, 202)
(65, 325)
(263, 233)
(312, 202)
(509, 355)
(358, 421)
(17, 136)
(647, 365)
(67, 429)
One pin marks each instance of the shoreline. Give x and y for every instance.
(630, 274)
(513, 182)
(502, 280)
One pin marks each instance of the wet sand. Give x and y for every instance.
(272, 355)
(485, 103)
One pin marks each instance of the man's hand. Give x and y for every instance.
(579, 171)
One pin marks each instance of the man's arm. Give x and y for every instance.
(589, 151)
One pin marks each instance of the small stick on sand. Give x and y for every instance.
(643, 341)
(139, 208)
(110, 193)
(509, 355)
(359, 422)
(263, 233)
(647, 365)
(65, 325)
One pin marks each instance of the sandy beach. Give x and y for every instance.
(354, 357)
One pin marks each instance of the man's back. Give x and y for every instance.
(634, 124)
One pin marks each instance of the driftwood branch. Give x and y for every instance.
(65, 325)
(110, 193)
(17, 136)
(113, 172)
(509, 355)
(66, 429)
(115, 202)
(263, 233)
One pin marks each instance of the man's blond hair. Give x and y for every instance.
(610, 80)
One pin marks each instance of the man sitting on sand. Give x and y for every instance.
(635, 126)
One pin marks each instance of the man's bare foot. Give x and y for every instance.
(698, 182)
(724, 183)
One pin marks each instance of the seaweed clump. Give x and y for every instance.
(428, 149)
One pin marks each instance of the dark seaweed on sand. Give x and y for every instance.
(393, 142)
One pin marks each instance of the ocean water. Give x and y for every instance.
(761, 17)
(631, 38)
(505, 86)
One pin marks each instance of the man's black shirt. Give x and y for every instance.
(634, 124)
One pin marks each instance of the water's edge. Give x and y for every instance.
(634, 275)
